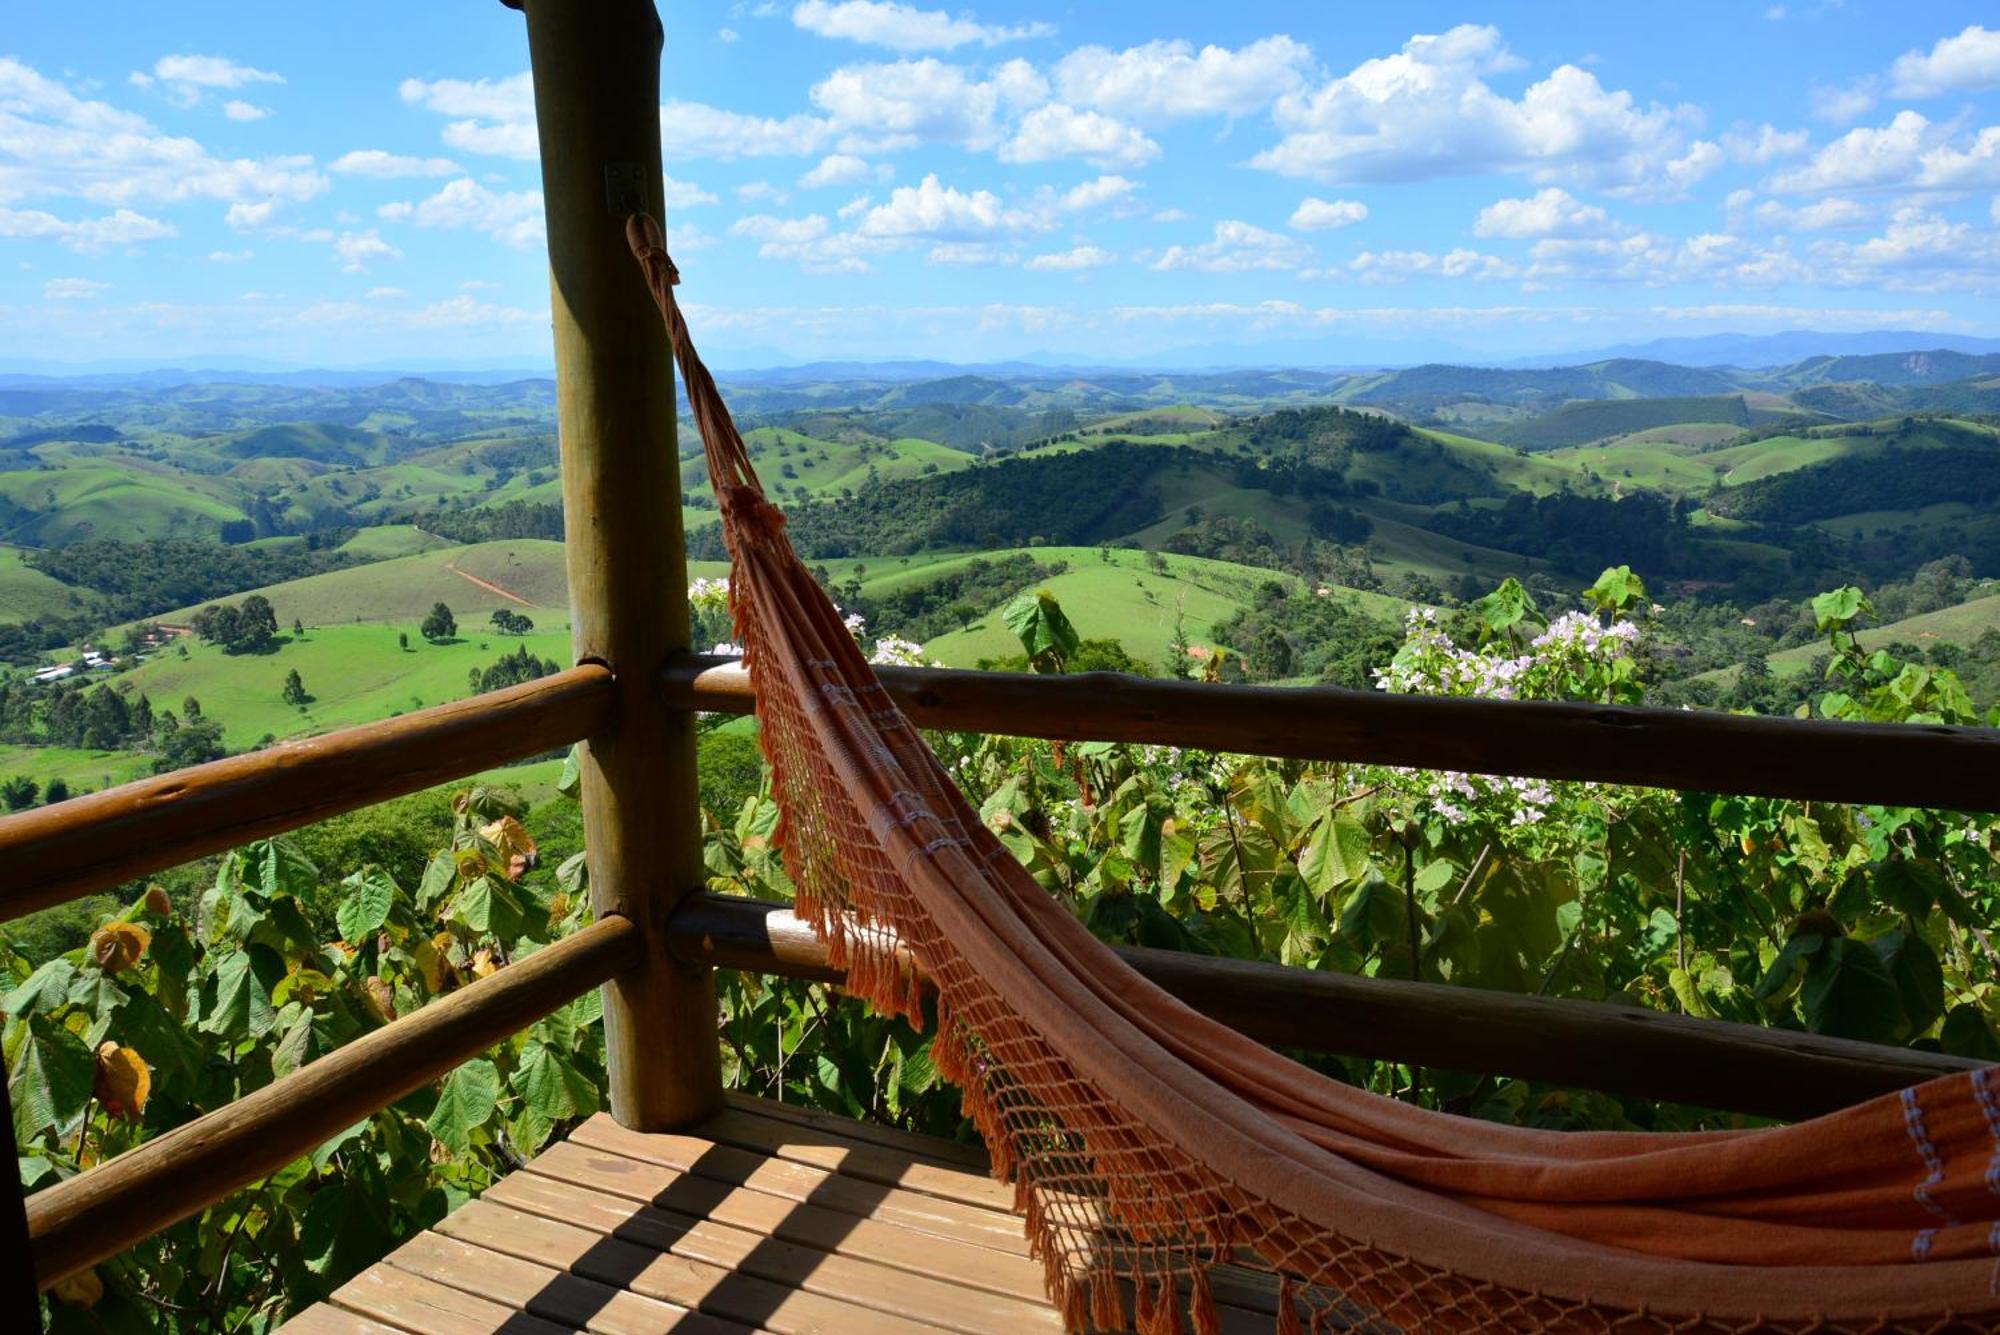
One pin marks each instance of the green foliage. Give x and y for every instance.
(439, 624)
(172, 1009)
(1046, 634)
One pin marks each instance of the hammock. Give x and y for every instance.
(1149, 1145)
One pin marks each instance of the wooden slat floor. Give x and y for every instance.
(769, 1218)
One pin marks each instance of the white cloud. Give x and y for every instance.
(188, 78)
(355, 250)
(239, 110)
(1428, 112)
(1059, 131)
(383, 165)
(89, 235)
(1397, 266)
(1967, 63)
(1841, 104)
(1975, 167)
(396, 210)
(1173, 216)
(73, 289)
(56, 143)
(1164, 81)
(685, 194)
(1235, 248)
(907, 102)
(1820, 215)
(727, 35)
(512, 217)
(495, 117)
(468, 312)
(1095, 194)
(1073, 259)
(1919, 251)
(230, 256)
(810, 243)
(386, 293)
(904, 27)
(246, 217)
(210, 72)
(1319, 215)
(1863, 157)
(1552, 211)
(697, 130)
(842, 169)
(933, 210)
(1764, 145)
(970, 254)
(1910, 152)
(759, 190)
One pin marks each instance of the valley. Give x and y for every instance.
(1232, 522)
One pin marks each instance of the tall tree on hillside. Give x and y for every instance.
(257, 625)
(295, 689)
(439, 625)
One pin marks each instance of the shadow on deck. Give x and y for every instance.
(769, 1218)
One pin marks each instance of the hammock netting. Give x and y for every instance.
(1153, 1150)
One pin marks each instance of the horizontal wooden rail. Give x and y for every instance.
(1955, 769)
(99, 1213)
(1581, 1044)
(58, 852)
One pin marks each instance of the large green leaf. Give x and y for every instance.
(551, 1086)
(1336, 854)
(1038, 621)
(465, 1104)
(1919, 978)
(1505, 607)
(278, 867)
(1374, 915)
(367, 904)
(1835, 609)
(1848, 991)
(46, 989)
(50, 1081)
(1967, 1033)
(242, 1006)
(1909, 887)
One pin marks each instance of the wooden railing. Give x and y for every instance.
(633, 698)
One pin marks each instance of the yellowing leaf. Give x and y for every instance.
(514, 843)
(117, 946)
(381, 998)
(79, 1290)
(123, 1081)
(482, 964)
(432, 964)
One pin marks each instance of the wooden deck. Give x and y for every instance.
(770, 1218)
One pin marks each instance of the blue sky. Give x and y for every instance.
(355, 184)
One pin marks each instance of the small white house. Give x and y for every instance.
(56, 673)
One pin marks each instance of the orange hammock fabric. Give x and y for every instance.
(1148, 1143)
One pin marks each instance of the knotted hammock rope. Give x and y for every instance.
(1149, 1145)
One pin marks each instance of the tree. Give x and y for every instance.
(439, 625)
(257, 625)
(509, 622)
(403, 641)
(19, 792)
(57, 791)
(298, 628)
(295, 689)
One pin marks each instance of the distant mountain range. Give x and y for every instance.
(1840, 352)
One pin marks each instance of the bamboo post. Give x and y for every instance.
(597, 104)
